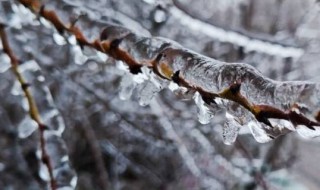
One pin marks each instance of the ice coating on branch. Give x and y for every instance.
(282, 124)
(204, 114)
(5, 62)
(215, 76)
(127, 86)
(79, 57)
(26, 127)
(305, 132)
(181, 92)
(147, 92)
(53, 122)
(57, 150)
(150, 87)
(230, 129)
(258, 132)
(267, 106)
(58, 39)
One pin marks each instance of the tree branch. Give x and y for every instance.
(33, 109)
(263, 99)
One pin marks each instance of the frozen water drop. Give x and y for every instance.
(184, 93)
(16, 89)
(5, 63)
(64, 158)
(25, 104)
(93, 66)
(181, 92)
(160, 16)
(58, 39)
(43, 172)
(147, 92)
(102, 56)
(74, 181)
(204, 115)
(30, 66)
(258, 133)
(26, 127)
(126, 87)
(72, 40)
(121, 66)
(79, 57)
(173, 86)
(282, 124)
(230, 129)
(40, 78)
(45, 23)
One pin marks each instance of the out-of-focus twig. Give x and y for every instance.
(258, 176)
(33, 109)
(96, 152)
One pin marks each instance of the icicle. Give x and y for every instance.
(57, 152)
(204, 114)
(43, 172)
(282, 124)
(181, 92)
(127, 86)
(150, 87)
(147, 92)
(79, 57)
(230, 129)
(258, 132)
(58, 39)
(16, 89)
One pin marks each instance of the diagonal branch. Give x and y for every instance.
(33, 110)
(263, 99)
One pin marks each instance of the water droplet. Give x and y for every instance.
(26, 127)
(230, 129)
(204, 114)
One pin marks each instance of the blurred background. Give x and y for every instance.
(100, 141)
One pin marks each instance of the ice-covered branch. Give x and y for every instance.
(33, 109)
(269, 108)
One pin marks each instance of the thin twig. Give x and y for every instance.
(33, 109)
(246, 153)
